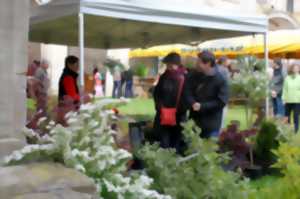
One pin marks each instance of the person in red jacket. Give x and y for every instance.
(68, 88)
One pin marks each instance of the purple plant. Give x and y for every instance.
(234, 141)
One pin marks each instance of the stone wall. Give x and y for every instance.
(14, 24)
(45, 181)
(34, 52)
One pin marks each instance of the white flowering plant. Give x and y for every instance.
(87, 144)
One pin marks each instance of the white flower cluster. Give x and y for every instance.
(139, 188)
(88, 146)
(27, 150)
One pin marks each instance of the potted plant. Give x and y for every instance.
(250, 84)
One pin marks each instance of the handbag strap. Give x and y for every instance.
(181, 82)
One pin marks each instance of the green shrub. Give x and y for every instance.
(196, 176)
(112, 65)
(287, 162)
(266, 141)
(141, 70)
(31, 104)
(250, 84)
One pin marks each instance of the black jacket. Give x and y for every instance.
(166, 92)
(212, 93)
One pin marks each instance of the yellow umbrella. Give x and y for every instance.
(161, 51)
(280, 43)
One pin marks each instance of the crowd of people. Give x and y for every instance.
(202, 94)
(202, 91)
(69, 96)
(123, 83)
(285, 92)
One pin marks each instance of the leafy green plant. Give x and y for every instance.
(31, 104)
(112, 64)
(266, 142)
(287, 153)
(271, 133)
(87, 144)
(288, 161)
(199, 175)
(250, 84)
(141, 70)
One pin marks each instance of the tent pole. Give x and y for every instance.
(81, 52)
(266, 50)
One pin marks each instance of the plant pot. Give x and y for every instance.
(253, 172)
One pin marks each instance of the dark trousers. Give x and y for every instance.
(295, 108)
(117, 89)
(169, 136)
(128, 89)
(278, 107)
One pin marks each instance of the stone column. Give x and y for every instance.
(14, 24)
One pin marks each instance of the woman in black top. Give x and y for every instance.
(167, 93)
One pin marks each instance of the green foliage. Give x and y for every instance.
(31, 104)
(112, 65)
(139, 107)
(266, 142)
(141, 70)
(199, 175)
(190, 65)
(87, 144)
(288, 162)
(251, 84)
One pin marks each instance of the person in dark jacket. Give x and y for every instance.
(276, 88)
(167, 93)
(68, 87)
(206, 92)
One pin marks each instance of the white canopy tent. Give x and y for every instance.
(135, 23)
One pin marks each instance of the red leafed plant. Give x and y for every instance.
(115, 110)
(234, 141)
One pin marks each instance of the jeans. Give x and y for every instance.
(117, 89)
(207, 134)
(225, 110)
(278, 107)
(128, 89)
(295, 108)
(214, 134)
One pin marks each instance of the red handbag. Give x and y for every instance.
(168, 115)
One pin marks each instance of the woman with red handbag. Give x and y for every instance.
(170, 111)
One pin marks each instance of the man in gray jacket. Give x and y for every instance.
(222, 67)
(276, 88)
(41, 76)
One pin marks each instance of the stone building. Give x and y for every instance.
(14, 24)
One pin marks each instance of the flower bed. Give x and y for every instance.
(88, 144)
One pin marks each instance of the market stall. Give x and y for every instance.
(134, 23)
